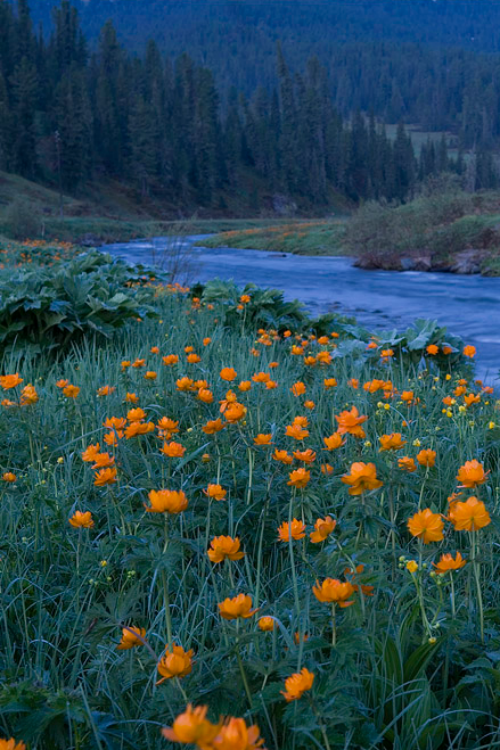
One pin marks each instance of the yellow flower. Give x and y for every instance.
(412, 566)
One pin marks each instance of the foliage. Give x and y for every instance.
(54, 306)
(413, 663)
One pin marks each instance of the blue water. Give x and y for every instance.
(467, 305)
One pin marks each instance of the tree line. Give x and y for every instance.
(70, 114)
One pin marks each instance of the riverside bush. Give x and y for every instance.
(50, 306)
(295, 532)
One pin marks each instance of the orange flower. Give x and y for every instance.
(71, 391)
(323, 529)
(362, 477)
(299, 478)
(192, 728)
(125, 364)
(151, 375)
(297, 531)
(427, 458)
(215, 492)
(138, 363)
(333, 591)
(111, 438)
(225, 548)
(296, 431)
(235, 412)
(131, 398)
(330, 383)
(407, 464)
(136, 415)
(207, 341)
(235, 735)
(28, 395)
(432, 349)
(471, 398)
(138, 428)
(283, 457)
(266, 624)
(115, 423)
(131, 637)
(185, 384)
(167, 427)
(407, 397)
(327, 469)
(167, 501)
(245, 386)
(308, 456)
(298, 389)
(10, 381)
(105, 476)
(392, 442)
(469, 351)
(334, 441)
(297, 684)
(354, 383)
(170, 359)
(90, 453)
(9, 477)
(426, 525)
(193, 359)
(471, 474)
(155, 350)
(470, 515)
(213, 426)
(239, 606)
(263, 439)
(309, 404)
(228, 373)
(62, 383)
(81, 520)
(175, 662)
(350, 422)
(173, 449)
(261, 377)
(103, 460)
(106, 390)
(447, 562)
(11, 745)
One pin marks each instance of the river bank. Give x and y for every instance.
(468, 305)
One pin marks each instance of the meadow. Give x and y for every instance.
(227, 526)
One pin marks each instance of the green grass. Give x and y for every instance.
(315, 237)
(413, 663)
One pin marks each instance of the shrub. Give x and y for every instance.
(51, 306)
(22, 220)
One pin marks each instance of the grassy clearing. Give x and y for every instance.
(299, 237)
(248, 432)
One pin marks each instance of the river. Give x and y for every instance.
(467, 305)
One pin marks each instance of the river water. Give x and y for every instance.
(467, 305)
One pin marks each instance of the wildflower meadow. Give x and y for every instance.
(226, 535)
